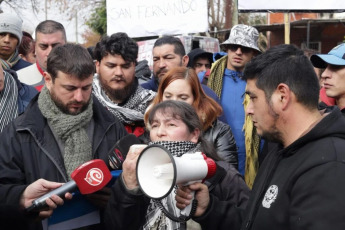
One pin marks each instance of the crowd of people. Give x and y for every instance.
(272, 120)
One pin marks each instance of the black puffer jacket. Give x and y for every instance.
(28, 151)
(224, 142)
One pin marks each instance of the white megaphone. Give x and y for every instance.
(158, 171)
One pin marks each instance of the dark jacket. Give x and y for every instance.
(127, 211)
(221, 136)
(29, 150)
(299, 187)
(25, 92)
(152, 84)
(20, 65)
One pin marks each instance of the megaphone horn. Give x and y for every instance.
(158, 171)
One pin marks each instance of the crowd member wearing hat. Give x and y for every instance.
(10, 39)
(201, 62)
(225, 80)
(334, 75)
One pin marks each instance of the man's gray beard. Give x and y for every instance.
(119, 94)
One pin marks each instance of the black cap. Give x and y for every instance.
(195, 53)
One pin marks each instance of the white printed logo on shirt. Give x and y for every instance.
(270, 196)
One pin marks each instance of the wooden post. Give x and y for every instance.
(287, 28)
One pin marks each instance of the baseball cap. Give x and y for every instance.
(335, 57)
(243, 35)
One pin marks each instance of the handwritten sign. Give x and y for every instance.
(305, 5)
(140, 18)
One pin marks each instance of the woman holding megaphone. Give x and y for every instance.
(176, 128)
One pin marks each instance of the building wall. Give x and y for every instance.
(277, 18)
(329, 35)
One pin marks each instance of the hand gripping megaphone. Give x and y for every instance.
(158, 171)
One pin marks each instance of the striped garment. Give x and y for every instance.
(8, 101)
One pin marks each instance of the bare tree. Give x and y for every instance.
(19, 4)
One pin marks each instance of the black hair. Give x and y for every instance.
(70, 59)
(285, 64)
(187, 114)
(170, 40)
(118, 43)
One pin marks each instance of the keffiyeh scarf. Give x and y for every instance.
(155, 218)
(8, 101)
(132, 111)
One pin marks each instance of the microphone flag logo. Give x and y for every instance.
(94, 177)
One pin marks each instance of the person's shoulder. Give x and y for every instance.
(21, 64)
(210, 92)
(150, 84)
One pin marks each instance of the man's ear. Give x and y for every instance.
(97, 64)
(283, 93)
(185, 60)
(48, 80)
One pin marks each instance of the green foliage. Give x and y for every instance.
(98, 19)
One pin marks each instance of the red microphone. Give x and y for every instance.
(88, 178)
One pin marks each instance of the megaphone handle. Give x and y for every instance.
(186, 211)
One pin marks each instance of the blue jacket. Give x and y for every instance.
(25, 92)
(20, 65)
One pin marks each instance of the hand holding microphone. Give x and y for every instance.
(88, 178)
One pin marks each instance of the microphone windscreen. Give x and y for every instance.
(91, 176)
(118, 152)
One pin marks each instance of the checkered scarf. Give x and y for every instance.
(133, 110)
(155, 218)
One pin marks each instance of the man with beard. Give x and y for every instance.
(168, 52)
(300, 184)
(62, 128)
(115, 84)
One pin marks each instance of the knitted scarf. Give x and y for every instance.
(155, 218)
(252, 140)
(11, 61)
(132, 111)
(71, 129)
(8, 101)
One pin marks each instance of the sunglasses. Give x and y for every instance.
(234, 48)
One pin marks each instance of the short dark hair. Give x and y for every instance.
(285, 64)
(118, 43)
(70, 59)
(49, 27)
(187, 114)
(170, 40)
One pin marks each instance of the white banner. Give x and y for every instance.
(141, 18)
(290, 5)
